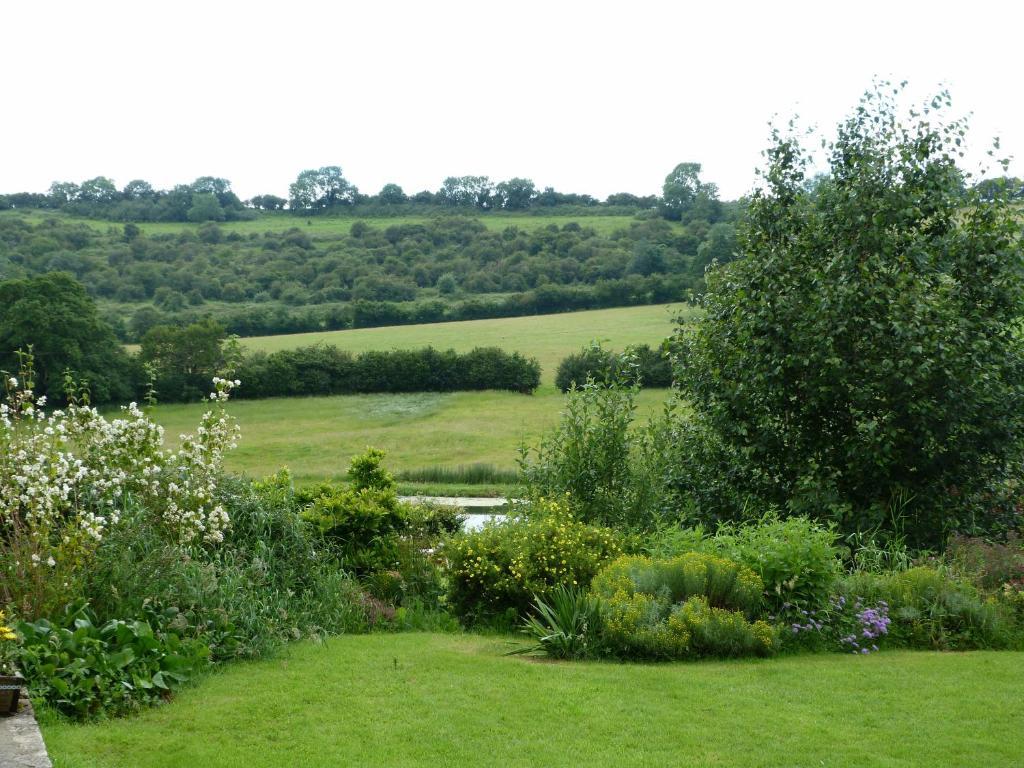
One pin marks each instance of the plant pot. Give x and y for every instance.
(10, 690)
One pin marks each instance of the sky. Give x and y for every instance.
(587, 97)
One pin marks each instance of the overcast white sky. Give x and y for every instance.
(583, 96)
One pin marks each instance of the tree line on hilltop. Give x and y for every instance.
(325, 190)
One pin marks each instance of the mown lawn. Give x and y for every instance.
(316, 436)
(450, 700)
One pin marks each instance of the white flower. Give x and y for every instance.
(50, 561)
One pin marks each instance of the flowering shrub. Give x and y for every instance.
(68, 476)
(503, 566)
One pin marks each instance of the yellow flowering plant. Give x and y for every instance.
(504, 566)
(8, 646)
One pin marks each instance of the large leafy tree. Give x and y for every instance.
(54, 316)
(864, 361)
(685, 197)
(183, 360)
(321, 189)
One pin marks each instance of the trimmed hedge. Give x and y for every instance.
(653, 368)
(327, 370)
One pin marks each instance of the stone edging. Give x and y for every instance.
(21, 743)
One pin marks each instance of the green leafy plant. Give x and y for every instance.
(796, 558)
(565, 625)
(722, 582)
(610, 470)
(362, 521)
(83, 668)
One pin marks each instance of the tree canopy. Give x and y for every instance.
(864, 361)
(54, 316)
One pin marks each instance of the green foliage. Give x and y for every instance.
(685, 196)
(365, 472)
(501, 568)
(326, 370)
(795, 558)
(867, 348)
(652, 368)
(608, 470)
(55, 318)
(274, 277)
(183, 360)
(723, 583)
(205, 207)
(269, 581)
(566, 625)
(932, 609)
(363, 521)
(690, 605)
(84, 668)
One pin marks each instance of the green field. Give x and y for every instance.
(332, 226)
(455, 700)
(549, 338)
(315, 437)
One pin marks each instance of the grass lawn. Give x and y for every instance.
(315, 437)
(549, 338)
(451, 700)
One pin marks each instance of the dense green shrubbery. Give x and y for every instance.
(650, 368)
(382, 541)
(267, 582)
(723, 583)
(498, 570)
(326, 370)
(795, 558)
(929, 608)
(693, 605)
(289, 281)
(362, 521)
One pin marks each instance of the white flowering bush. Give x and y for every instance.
(68, 475)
